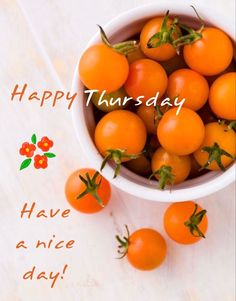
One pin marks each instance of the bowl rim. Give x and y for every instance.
(123, 182)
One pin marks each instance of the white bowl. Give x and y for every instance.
(119, 29)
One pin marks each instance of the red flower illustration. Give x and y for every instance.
(40, 162)
(45, 144)
(27, 149)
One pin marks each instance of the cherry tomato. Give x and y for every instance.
(110, 97)
(180, 134)
(218, 148)
(222, 98)
(120, 129)
(211, 54)
(102, 68)
(145, 248)
(185, 222)
(140, 166)
(188, 84)
(135, 55)
(120, 136)
(169, 168)
(162, 52)
(146, 78)
(87, 191)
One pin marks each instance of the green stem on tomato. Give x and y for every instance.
(123, 47)
(91, 187)
(193, 222)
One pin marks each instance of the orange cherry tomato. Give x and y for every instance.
(120, 129)
(140, 166)
(145, 249)
(211, 54)
(102, 68)
(179, 167)
(146, 78)
(188, 84)
(161, 53)
(97, 193)
(185, 222)
(218, 148)
(222, 98)
(180, 134)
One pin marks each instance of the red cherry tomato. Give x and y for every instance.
(146, 78)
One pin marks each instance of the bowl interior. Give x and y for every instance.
(120, 29)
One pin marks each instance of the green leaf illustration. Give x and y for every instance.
(50, 155)
(34, 139)
(25, 163)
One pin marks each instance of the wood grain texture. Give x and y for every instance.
(41, 41)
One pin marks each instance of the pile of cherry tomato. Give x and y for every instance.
(159, 142)
(177, 61)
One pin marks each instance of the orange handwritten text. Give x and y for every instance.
(32, 274)
(29, 211)
(22, 93)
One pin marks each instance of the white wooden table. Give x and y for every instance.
(40, 44)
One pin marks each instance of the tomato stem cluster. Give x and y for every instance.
(91, 187)
(165, 35)
(165, 176)
(214, 154)
(193, 222)
(173, 35)
(116, 156)
(123, 244)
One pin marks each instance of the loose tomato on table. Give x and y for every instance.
(156, 37)
(120, 136)
(185, 222)
(222, 98)
(146, 78)
(87, 191)
(145, 248)
(180, 134)
(211, 52)
(188, 84)
(170, 169)
(218, 148)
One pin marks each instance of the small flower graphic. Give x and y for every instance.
(45, 144)
(40, 162)
(27, 149)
